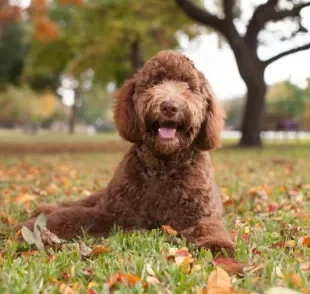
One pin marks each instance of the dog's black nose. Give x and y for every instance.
(168, 108)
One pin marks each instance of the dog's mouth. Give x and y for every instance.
(167, 130)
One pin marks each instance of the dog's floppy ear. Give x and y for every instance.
(209, 136)
(125, 116)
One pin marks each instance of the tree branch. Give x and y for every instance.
(286, 53)
(269, 12)
(202, 16)
(295, 11)
(229, 10)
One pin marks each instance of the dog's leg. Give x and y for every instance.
(68, 222)
(210, 233)
(48, 208)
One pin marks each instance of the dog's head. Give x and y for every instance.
(169, 106)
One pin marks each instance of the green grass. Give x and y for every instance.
(284, 171)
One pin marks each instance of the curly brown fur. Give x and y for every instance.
(170, 113)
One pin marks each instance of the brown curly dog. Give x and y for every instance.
(170, 114)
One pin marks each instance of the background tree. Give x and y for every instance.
(112, 38)
(245, 41)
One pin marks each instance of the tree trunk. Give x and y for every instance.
(74, 107)
(72, 119)
(136, 55)
(253, 117)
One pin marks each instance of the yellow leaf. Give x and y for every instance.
(92, 284)
(290, 243)
(25, 198)
(219, 282)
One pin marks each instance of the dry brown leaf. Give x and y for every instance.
(84, 249)
(63, 288)
(169, 230)
(232, 266)
(49, 238)
(219, 282)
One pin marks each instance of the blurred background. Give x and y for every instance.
(62, 60)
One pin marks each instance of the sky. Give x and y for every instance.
(219, 65)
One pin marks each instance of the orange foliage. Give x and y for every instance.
(46, 30)
(10, 13)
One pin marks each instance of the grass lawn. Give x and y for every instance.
(267, 198)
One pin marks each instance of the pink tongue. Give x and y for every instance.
(167, 133)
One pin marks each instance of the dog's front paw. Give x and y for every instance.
(45, 209)
(219, 245)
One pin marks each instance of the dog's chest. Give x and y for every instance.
(177, 191)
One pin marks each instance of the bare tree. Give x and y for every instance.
(244, 47)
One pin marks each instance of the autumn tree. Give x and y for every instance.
(245, 40)
(113, 38)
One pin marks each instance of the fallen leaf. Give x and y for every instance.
(280, 290)
(294, 279)
(219, 282)
(279, 272)
(84, 250)
(88, 272)
(28, 236)
(65, 276)
(40, 222)
(169, 230)
(28, 254)
(290, 243)
(232, 266)
(182, 258)
(49, 238)
(100, 249)
(305, 241)
(152, 280)
(25, 198)
(91, 284)
(91, 291)
(63, 288)
(1, 260)
(305, 267)
(127, 279)
(150, 270)
(279, 244)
